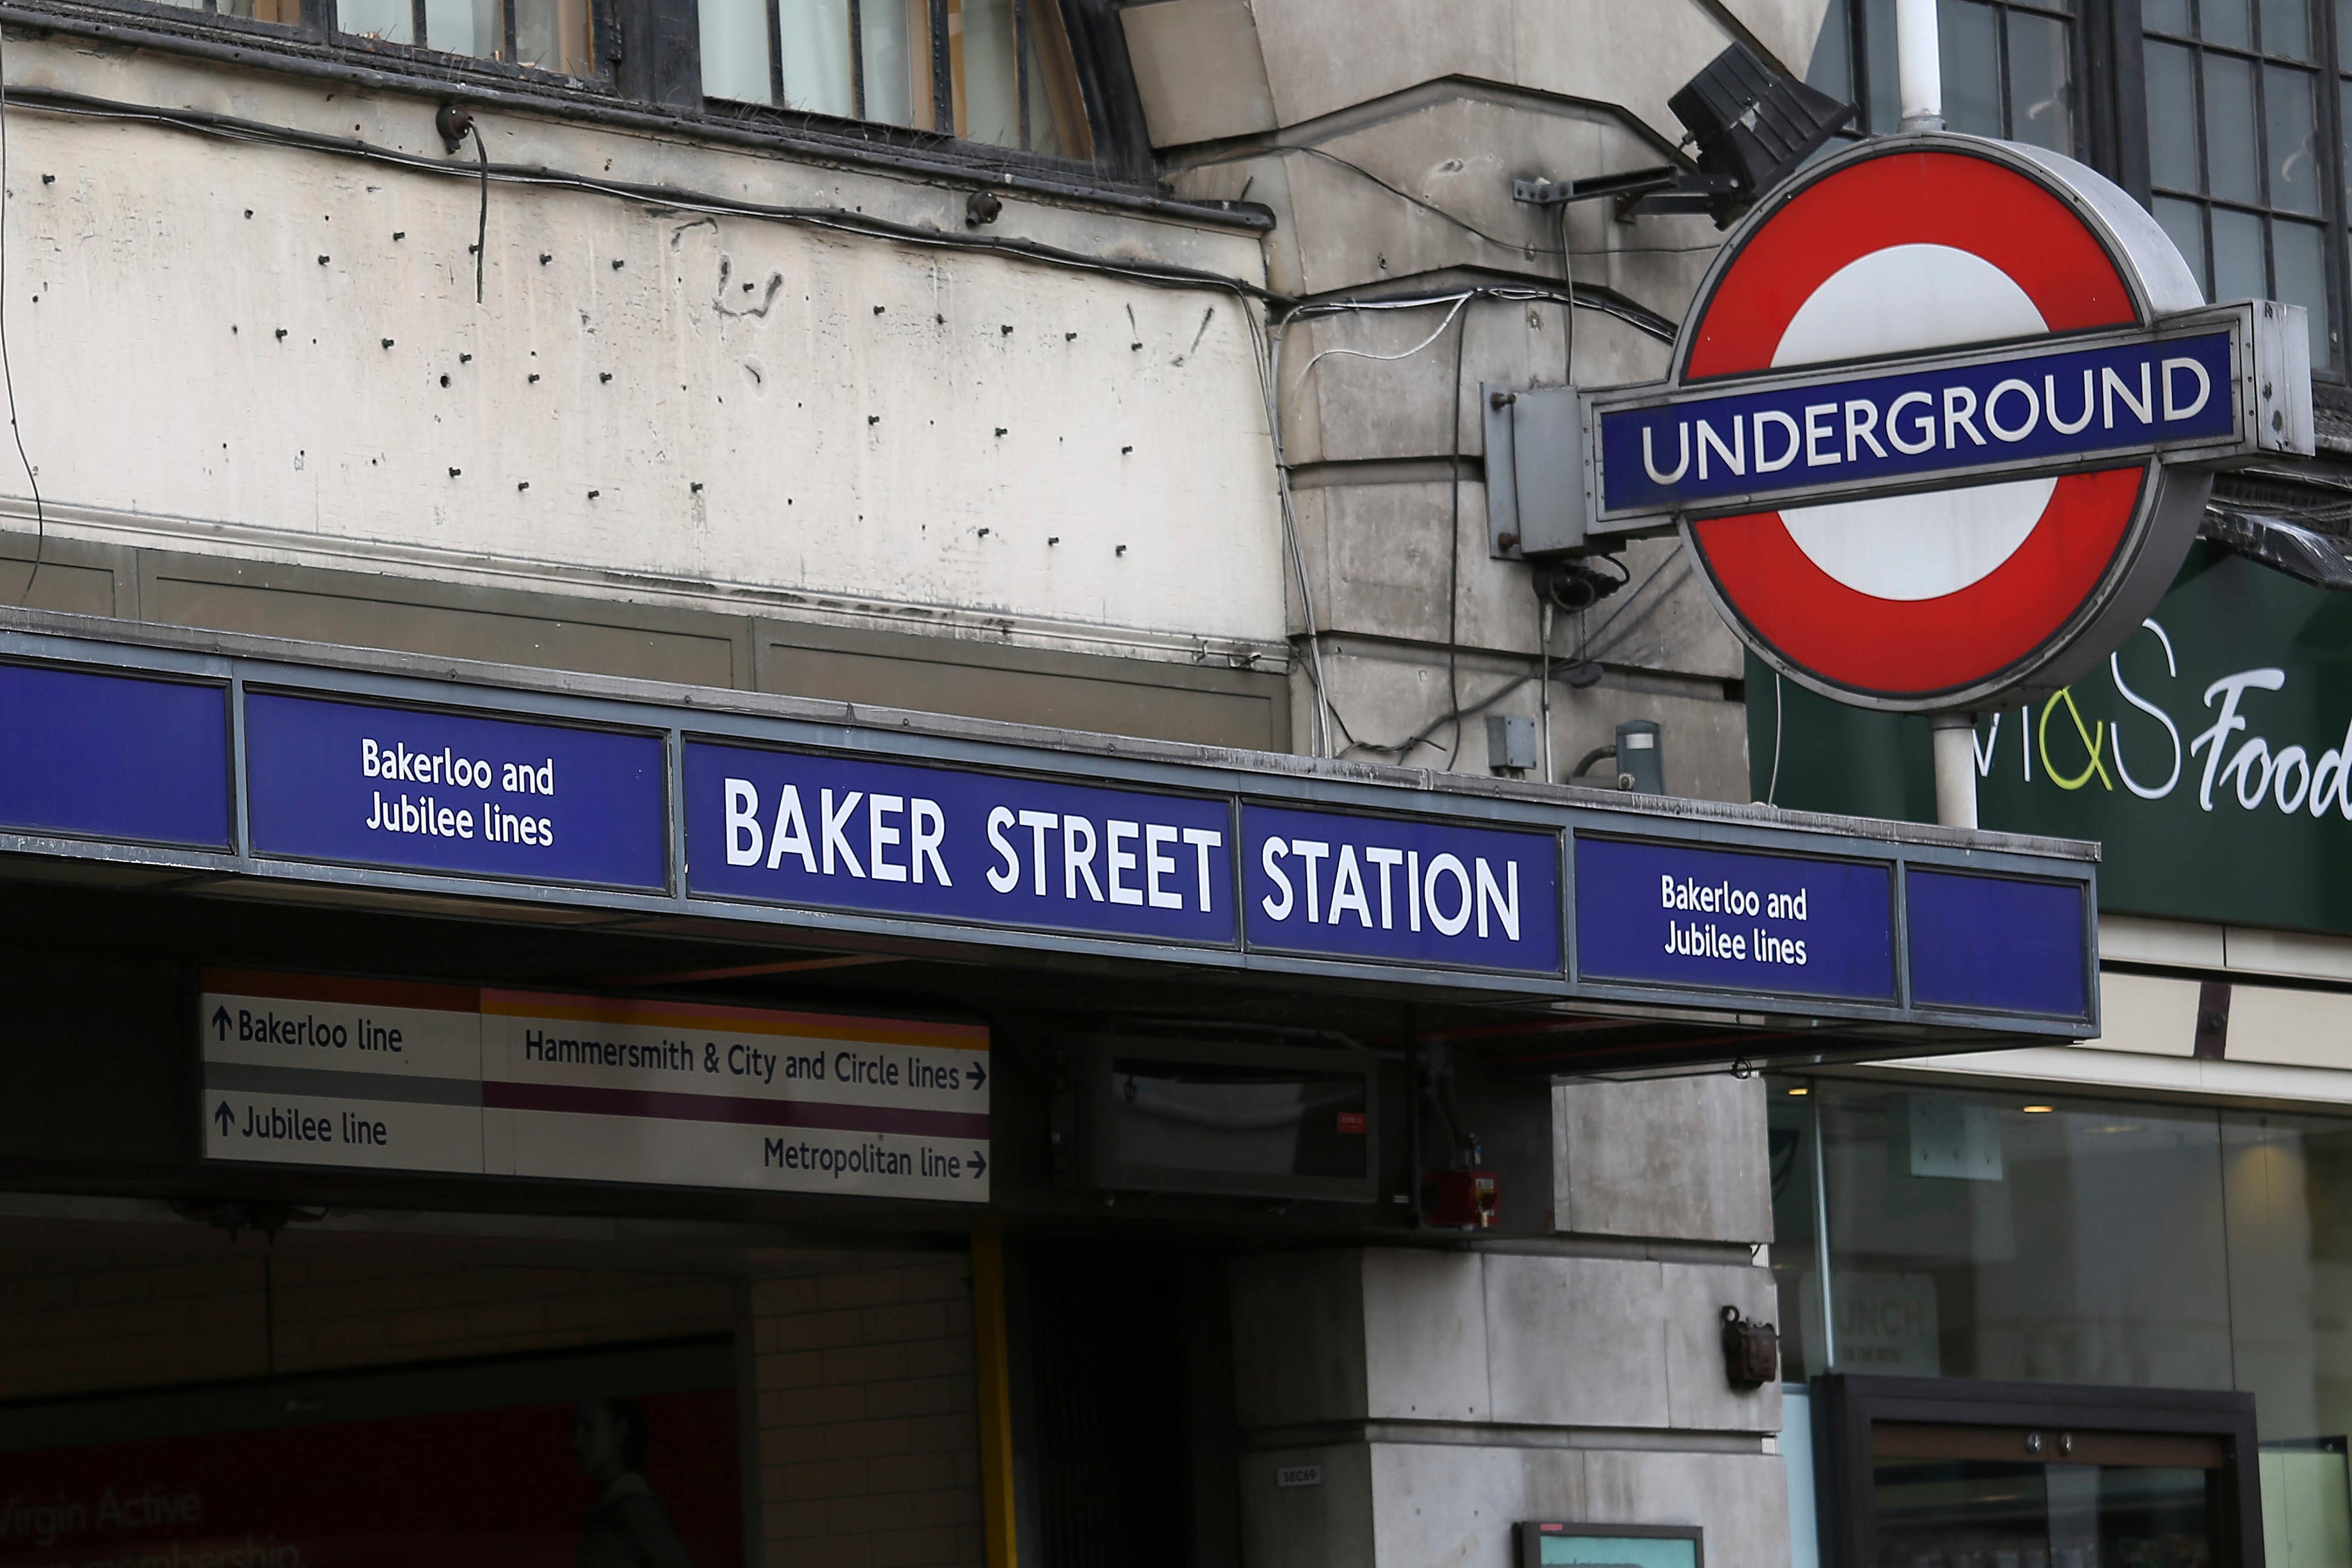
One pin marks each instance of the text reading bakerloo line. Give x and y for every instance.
(429, 815)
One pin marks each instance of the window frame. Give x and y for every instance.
(2111, 128)
(944, 75)
(648, 76)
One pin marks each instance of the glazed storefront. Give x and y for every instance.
(2150, 1231)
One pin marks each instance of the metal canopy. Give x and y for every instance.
(1773, 921)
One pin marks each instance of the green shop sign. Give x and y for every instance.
(2212, 755)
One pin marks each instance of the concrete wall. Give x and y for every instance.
(276, 355)
(1385, 135)
(1445, 1393)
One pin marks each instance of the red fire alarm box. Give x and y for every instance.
(1471, 1200)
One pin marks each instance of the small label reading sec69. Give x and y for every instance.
(1298, 1476)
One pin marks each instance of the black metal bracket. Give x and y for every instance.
(1667, 188)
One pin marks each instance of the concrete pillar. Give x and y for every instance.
(1403, 1406)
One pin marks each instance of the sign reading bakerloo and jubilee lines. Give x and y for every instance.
(1942, 421)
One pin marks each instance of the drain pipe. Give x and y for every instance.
(1919, 65)
(1955, 737)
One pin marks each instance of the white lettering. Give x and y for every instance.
(1765, 465)
(1450, 865)
(1123, 860)
(1269, 860)
(1993, 411)
(2172, 406)
(1925, 430)
(1008, 877)
(742, 818)
(1650, 461)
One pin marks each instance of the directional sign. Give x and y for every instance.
(1942, 422)
(320, 1071)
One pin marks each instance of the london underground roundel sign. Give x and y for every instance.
(1942, 420)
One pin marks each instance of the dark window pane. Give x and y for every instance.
(2293, 141)
(2172, 117)
(2344, 128)
(2232, 171)
(2286, 28)
(1878, 34)
(2169, 16)
(2343, 34)
(1971, 39)
(2301, 250)
(2227, 22)
(2185, 222)
(1832, 70)
(1789, 1136)
(2238, 269)
(2041, 82)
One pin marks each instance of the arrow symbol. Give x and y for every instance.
(220, 1020)
(225, 1116)
(979, 1075)
(979, 1164)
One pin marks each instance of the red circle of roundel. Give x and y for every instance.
(1818, 624)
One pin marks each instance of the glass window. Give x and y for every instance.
(546, 35)
(1001, 69)
(2010, 1235)
(2009, 66)
(2006, 1234)
(1790, 1140)
(2234, 145)
(1996, 1235)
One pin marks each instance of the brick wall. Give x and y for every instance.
(869, 1440)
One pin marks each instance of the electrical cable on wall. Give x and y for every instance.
(7, 373)
(482, 217)
(1454, 549)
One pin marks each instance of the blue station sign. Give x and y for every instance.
(370, 784)
(953, 845)
(2054, 406)
(947, 838)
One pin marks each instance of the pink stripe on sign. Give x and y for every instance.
(665, 1106)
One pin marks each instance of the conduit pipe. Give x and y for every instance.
(1919, 65)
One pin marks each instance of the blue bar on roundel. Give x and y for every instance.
(1340, 885)
(114, 757)
(1737, 920)
(2006, 945)
(370, 784)
(2056, 409)
(957, 845)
